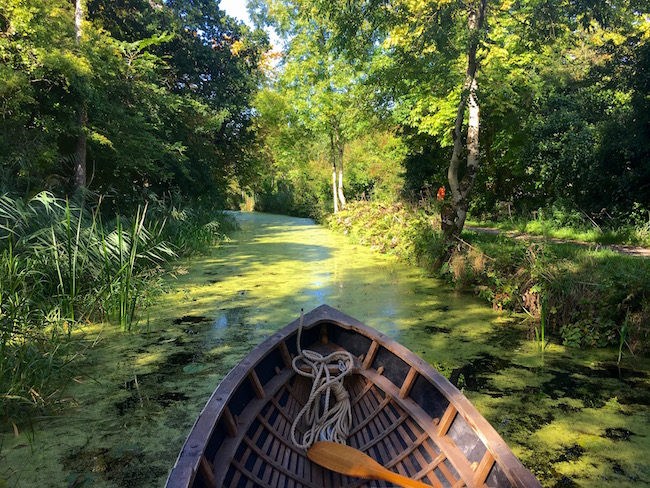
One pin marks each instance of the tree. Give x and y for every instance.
(539, 103)
(461, 188)
(322, 84)
(125, 94)
(40, 78)
(419, 56)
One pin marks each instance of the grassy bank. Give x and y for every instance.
(561, 222)
(66, 263)
(578, 296)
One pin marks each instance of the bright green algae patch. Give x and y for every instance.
(572, 417)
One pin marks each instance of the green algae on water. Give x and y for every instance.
(570, 417)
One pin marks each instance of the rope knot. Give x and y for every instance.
(333, 422)
(340, 392)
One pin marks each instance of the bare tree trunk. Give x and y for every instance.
(454, 214)
(341, 194)
(340, 146)
(333, 160)
(336, 200)
(80, 152)
(80, 172)
(78, 20)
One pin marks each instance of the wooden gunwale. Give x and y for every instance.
(190, 457)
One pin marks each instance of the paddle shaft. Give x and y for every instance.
(352, 462)
(398, 479)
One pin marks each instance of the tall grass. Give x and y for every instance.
(33, 334)
(63, 263)
(540, 332)
(128, 251)
(623, 333)
(562, 221)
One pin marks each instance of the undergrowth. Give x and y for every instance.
(590, 295)
(399, 229)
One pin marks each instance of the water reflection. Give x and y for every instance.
(287, 264)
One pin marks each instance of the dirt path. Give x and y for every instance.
(637, 251)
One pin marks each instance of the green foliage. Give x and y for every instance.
(33, 335)
(407, 232)
(567, 127)
(562, 92)
(318, 112)
(559, 220)
(166, 89)
(294, 161)
(190, 227)
(375, 167)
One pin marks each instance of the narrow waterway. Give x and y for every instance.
(573, 417)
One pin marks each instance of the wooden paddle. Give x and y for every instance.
(352, 462)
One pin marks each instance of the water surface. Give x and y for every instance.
(572, 417)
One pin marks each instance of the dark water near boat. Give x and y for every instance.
(573, 417)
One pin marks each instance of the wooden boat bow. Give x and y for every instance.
(406, 416)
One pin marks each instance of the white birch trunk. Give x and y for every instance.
(78, 20)
(341, 194)
(336, 200)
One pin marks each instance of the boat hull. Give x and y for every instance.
(405, 415)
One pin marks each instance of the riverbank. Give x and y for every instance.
(627, 249)
(66, 263)
(591, 296)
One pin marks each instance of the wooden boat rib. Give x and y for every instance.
(406, 416)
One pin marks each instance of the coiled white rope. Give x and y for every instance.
(325, 422)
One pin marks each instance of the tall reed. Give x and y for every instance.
(33, 341)
(61, 265)
(127, 252)
(64, 262)
(541, 331)
(623, 337)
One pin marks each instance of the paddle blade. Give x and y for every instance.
(343, 459)
(352, 462)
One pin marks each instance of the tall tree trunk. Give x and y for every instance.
(333, 160)
(80, 152)
(78, 21)
(340, 189)
(340, 147)
(454, 214)
(80, 172)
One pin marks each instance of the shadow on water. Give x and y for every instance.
(572, 418)
(474, 375)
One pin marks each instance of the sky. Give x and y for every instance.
(237, 9)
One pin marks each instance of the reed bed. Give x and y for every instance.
(65, 263)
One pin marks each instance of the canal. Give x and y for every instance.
(575, 418)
